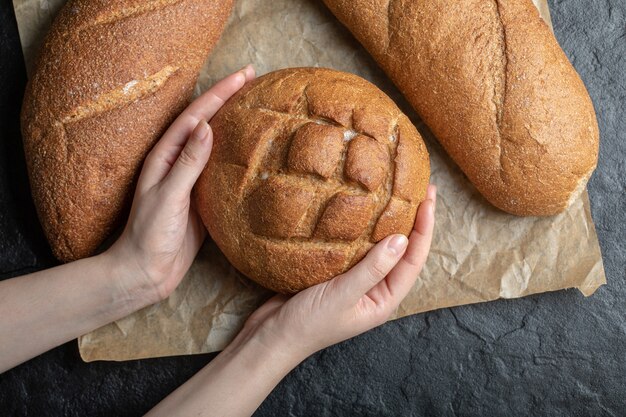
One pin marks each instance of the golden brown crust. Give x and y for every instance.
(304, 163)
(111, 77)
(316, 149)
(492, 83)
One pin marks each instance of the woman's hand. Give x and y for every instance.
(42, 310)
(284, 331)
(164, 232)
(350, 304)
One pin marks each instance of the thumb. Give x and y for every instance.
(379, 261)
(190, 162)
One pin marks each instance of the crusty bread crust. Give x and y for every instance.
(310, 167)
(111, 77)
(492, 83)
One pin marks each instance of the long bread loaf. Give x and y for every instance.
(111, 76)
(492, 83)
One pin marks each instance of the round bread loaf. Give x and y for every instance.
(310, 168)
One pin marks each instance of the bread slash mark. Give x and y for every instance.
(126, 12)
(500, 96)
(121, 96)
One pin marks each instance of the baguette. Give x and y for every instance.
(493, 85)
(111, 77)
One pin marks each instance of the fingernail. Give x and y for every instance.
(202, 130)
(431, 192)
(431, 207)
(432, 196)
(397, 244)
(242, 78)
(245, 69)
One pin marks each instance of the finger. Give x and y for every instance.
(401, 279)
(379, 261)
(166, 151)
(431, 193)
(381, 293)
(195, 234)
(205, 106)
(190, 163)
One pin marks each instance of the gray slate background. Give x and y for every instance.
(552, 354)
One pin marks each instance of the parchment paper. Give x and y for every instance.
(479, 253)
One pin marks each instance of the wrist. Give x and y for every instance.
(262, 363)
(248, 370)
(129, 281)
(270, 342)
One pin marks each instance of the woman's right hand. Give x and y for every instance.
(351, 303)
(284, 331)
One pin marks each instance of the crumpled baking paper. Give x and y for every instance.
(478, 254)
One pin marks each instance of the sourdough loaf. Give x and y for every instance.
(310, 167)
(111, 77)
(492, 83)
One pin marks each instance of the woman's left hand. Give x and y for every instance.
(164, 232)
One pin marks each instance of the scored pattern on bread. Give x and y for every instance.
(310, 195)
(130, 92)
(309, 164)
(275, 187)
(139, 8)
(500, 86)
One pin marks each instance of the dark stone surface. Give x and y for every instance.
(22, 247)
(552, 354)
